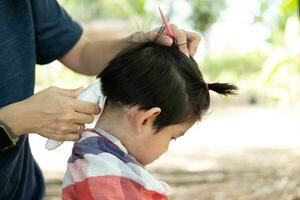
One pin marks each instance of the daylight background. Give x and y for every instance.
(247, 146)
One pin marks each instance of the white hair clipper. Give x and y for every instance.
(92, 94)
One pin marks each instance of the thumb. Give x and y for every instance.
(70, 92)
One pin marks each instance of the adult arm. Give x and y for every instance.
(53, 112)
(91, 57)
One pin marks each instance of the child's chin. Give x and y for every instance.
(144, 163)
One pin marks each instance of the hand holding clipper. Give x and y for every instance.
(92, 94)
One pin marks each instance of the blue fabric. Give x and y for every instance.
(31, 31)
(96, 145)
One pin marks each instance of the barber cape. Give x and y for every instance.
(101, 168)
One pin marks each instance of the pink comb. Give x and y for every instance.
(169, 31)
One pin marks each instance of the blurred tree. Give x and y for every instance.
(274, 15)
(276, 69)
(280, 72)
(95, 9)
(206, 12)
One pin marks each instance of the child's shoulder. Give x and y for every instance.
(96, 146)
(96, 157)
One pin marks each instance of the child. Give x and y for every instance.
(155, 93)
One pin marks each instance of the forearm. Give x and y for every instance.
(91, 57)
(96, 55)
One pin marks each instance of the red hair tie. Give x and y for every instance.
(207, 86)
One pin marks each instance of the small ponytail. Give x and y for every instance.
(222, 88)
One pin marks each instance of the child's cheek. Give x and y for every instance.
(163, 149)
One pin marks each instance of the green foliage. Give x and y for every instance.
(277, 73)
(235, 66)
(274, 15)
(206, 12)
(289, 5)
(95, 9)
(138, 6)
(83, 10)
(282, 80)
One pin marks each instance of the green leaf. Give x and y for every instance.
(288, 5)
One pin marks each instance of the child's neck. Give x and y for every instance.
(114, 124)
(121, 125)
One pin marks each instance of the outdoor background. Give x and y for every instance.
(247, 146)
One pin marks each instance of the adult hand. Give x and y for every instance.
(53, 113)
(187, 41)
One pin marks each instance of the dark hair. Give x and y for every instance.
(150, 75)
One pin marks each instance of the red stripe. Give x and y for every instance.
(109, 188)
(78, 191)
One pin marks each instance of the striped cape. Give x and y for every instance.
(101, 168)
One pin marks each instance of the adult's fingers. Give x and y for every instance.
(67, 92)
(162, 39)
(70, 137)
(85, 107)
(181, 39)
(75, 128)
(193, 40)
(165, 40)
(82, 118)
(187, 41)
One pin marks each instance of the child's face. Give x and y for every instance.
(152, 145)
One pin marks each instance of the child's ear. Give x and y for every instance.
(146, 119)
